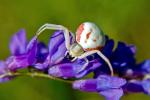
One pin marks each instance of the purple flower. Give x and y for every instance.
(122, 58)
(109, 87)
(23, 54)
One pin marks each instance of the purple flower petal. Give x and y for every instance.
(3, 67)
(93, 64)
(56, 40)
(17, 62)
(133, 86)
(42, 52)
(105, 85)
(109, 82)
(3, 70)
(32, 50)
(57, 47)
(107, 50)
(122, 56)
(112, 94)
(138, 86)
(89, 85)
(41, 66)
(145, 66)
(65, 70)
(132, 48)
(59, 55)
(18, 43)
(146, 86)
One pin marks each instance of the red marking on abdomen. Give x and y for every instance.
(88, 35)
(79, 32)
(94, 40)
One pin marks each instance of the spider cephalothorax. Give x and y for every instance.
(76, 50)
(89, 40)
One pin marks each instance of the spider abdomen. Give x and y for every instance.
(90, 37)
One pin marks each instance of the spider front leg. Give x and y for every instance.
(85, 65)
(56, 27)
(101, 55)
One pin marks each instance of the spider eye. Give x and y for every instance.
(68, 56)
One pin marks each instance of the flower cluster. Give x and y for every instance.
(53, 61)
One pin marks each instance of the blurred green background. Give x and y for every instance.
(125, 20)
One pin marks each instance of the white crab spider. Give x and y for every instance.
(89, 41)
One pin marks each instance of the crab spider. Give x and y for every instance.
(90, 39)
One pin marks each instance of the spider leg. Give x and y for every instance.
(75, 58)
(85, 65)
(101, 55)
(56, 27)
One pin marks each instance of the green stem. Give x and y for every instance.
(35, 74)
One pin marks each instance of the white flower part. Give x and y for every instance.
(89, 36)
